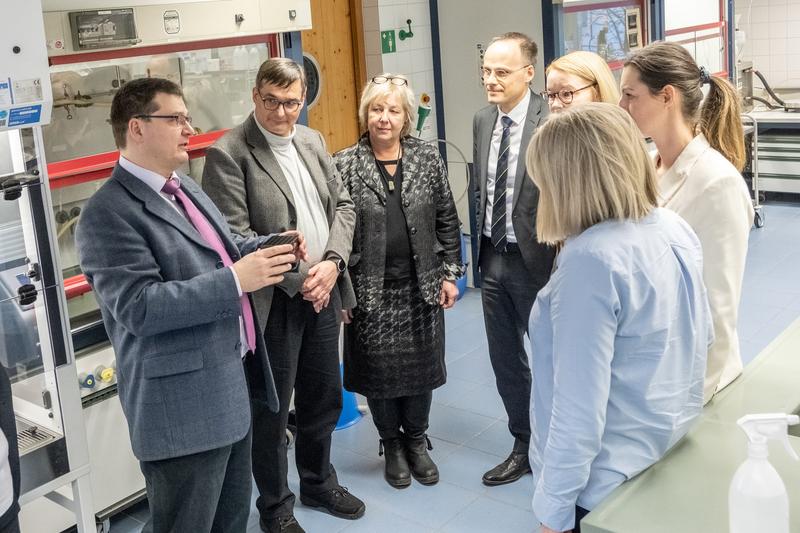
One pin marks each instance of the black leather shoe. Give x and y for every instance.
(338, 502)
(281, 524)
(508, 471)
(397, 472)
(422, 466)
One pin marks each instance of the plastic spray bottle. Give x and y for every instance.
(757, 499)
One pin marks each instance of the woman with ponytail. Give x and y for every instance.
(700, 147)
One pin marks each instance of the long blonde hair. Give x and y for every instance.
(592, 68)
(719, 119)
(590, 165)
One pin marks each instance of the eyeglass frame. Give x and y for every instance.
(278, 103)
(389, 79)
(179, 120)
(551, 97)
(486, 72)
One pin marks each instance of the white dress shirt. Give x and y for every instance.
(517, 116)
(311, 218)
(710, 194)
(156, 182)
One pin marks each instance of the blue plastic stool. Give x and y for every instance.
(350, 413)
(461, 283)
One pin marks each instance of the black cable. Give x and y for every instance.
(765, 102)
(769, 89)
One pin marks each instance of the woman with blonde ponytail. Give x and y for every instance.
(700, 147)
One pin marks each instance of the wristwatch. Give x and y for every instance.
(341, 266)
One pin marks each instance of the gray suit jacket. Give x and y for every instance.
(244, 179)
(172, 314)
(538, 257)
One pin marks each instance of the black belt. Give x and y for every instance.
(511, 247)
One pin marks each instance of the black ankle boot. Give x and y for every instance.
(422, 466)
(397, 473)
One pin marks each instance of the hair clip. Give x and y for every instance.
(705, 76)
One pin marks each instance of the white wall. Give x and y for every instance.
(414, 56)
(772, 31)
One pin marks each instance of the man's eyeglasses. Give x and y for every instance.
(378, 80)
(272, 104)
(500, 73)
(177, 120)
(564, 95)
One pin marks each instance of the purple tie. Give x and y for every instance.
(209, 234)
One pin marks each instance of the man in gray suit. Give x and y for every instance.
(513, 265)
(172, 284)
(267, 175)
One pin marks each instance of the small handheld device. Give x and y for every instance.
(276, 240)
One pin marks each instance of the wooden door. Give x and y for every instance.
(336, 43)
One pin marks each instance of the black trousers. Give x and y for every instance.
(508, 293)
(303, 349)
(403, 415)
(207, 491)
(580, 514)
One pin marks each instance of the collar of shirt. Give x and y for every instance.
(689, 155)
(519, 112)
(276, 141)
(152, 179)
(674, 178)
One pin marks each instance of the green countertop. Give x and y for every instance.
(687, 491)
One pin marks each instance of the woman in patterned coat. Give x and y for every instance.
(405, 261)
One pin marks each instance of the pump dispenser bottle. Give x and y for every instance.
(757, 499)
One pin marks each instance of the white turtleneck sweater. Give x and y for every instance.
(311, 218)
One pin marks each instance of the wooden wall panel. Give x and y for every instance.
(331, 43)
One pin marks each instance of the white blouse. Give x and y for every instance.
(710, 194)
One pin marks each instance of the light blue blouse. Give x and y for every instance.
(619, 337)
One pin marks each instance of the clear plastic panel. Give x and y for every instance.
(217, 86)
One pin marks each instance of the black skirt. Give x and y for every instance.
(397, 349)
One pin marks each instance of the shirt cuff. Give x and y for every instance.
(555, 513)
(236, 279)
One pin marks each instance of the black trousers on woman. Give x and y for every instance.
(405, 415)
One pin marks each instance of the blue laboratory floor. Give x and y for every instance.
(468, 424)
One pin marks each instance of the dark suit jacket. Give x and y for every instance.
(538, 257)
(244, 179)
(172, 313)
(430, 212)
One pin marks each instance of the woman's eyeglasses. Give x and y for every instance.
(564, 95)
(378, 80)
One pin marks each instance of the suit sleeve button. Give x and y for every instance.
(413, 231)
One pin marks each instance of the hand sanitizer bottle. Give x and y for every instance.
(757, 499)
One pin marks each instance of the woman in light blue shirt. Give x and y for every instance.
(620, 333)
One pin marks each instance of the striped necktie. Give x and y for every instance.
(499, 238)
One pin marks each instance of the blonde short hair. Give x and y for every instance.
(592, 68)
(590, 164)
(373, 91)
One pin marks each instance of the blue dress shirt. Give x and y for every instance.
(619, 337)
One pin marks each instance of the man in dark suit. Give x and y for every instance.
(513, 265)
(172, 284)
(267, 175)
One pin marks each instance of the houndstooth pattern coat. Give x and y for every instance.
(431, 217)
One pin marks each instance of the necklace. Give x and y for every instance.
(385, 173)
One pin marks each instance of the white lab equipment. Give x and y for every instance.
(757, 499)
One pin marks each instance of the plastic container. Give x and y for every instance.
(757, 499)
